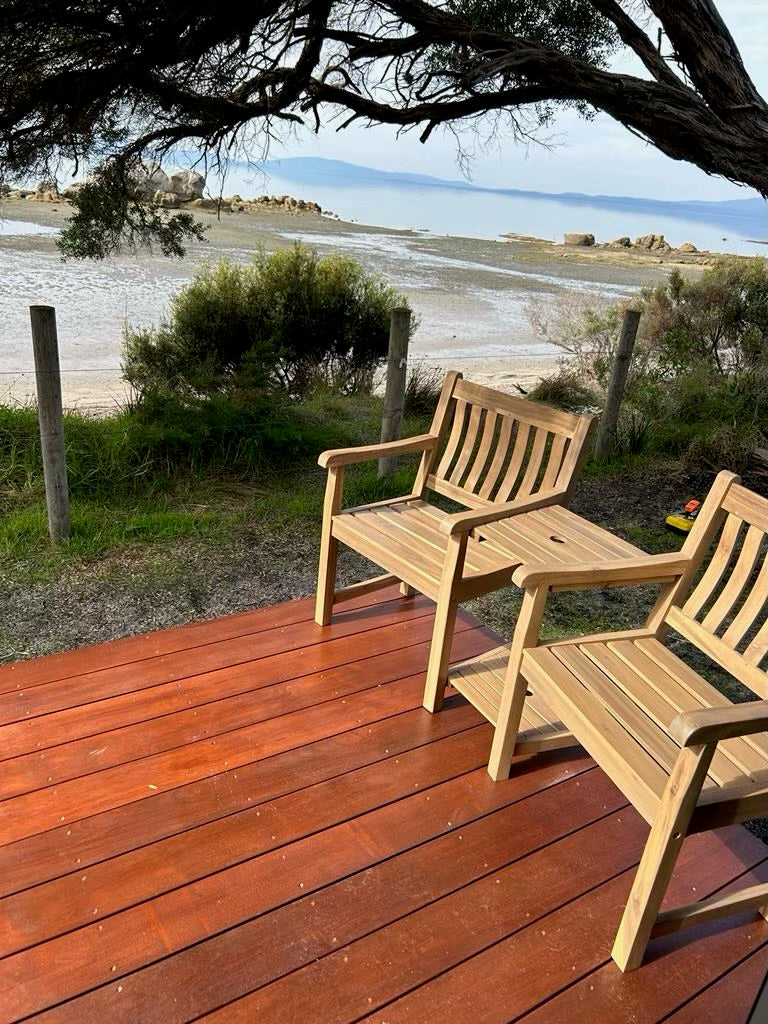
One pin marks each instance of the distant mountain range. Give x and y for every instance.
(749, 216)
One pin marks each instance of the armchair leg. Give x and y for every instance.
(439, 654)
(445, 619)
(515, 687)
(406, 590)
(329, 547)
(507, 728)
(326, 579)
(660, 855)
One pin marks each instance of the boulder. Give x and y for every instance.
(620, 243)
(48, 191)
(654, 243)
(148, 179)
(575, 238)
(687, 247)
(217, 205)
(186, 184)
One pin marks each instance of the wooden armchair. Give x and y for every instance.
(682, 754)
(495, 455)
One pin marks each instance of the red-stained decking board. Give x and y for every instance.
(253, 819)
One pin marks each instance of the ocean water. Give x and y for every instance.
(459, 210)
(471, 308)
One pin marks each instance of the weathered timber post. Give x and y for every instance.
(606, 431)
(48, 378)
(394, 395)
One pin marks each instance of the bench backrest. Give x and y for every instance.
(725, 612)
(496, 447)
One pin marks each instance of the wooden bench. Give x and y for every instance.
(682, 754)
(498, 457)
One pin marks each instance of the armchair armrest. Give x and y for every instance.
(708, 725)
(649, 569)
(346, 456)
(461, 522)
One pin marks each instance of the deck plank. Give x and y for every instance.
(234, 700)
(731, 998)
(253, 818)
(142, 646)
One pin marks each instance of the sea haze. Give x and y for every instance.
(443, 207)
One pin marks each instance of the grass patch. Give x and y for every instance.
(171, 471)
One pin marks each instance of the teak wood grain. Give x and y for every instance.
(500, 458)
(340, 855)
(683, 755)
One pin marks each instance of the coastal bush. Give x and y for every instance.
(719, 321)
(698, 384)
(290, 322)
(565, 389)
(585, 327)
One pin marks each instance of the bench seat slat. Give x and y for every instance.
(687, 691)
(618, 752)
(662, 699)
(620, 709)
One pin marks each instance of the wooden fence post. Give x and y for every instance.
(606, 431)
(394, 395)
(45, 345)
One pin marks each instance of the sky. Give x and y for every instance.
(593, 157)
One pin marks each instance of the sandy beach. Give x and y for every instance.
(470, 294)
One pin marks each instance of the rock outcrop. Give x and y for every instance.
(186, 184)
(653, 243)
(47, 191)
(179, 188)
(149, 179)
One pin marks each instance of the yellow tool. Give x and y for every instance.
(684, 519)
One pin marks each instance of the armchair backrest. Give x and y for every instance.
(496, 447)
(725, 611)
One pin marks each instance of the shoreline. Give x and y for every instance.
(470, 293)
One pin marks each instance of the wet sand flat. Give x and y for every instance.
(470, 294)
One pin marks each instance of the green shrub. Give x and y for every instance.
(699, 375)
(719, 320)
(724, 447)
(289, 321)
(162, 440)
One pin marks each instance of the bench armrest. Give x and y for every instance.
(646, 569)
(709, 725)
(346, 456)
(461, 522)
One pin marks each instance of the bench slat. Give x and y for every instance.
(619, 754)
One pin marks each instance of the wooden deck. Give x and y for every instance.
(254, 819)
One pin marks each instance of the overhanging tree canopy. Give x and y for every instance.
(112, 82)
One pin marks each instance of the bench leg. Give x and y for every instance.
(445, 620)
(329, 547)
(326, 579)
(660, 855)
(406, 590)
(513, 696)
(439, 654)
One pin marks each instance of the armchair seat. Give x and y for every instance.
(620, 699)
(405, 538)
(390, 535)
